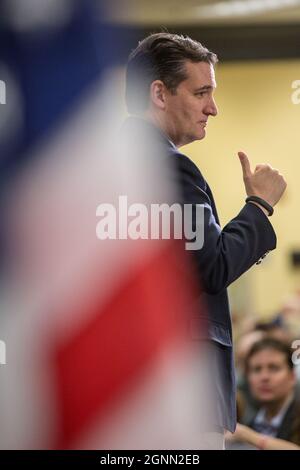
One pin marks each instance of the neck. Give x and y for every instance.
(159, 121)
(272, 409)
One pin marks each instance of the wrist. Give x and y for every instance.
(262, 441)
(255, 438)
(261, 207)
(262, 203)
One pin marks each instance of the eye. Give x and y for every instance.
(255, 370)
(201, 93)
(274, 368)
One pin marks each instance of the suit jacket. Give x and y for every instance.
(227, 253)
(289, 429)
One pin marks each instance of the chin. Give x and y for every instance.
(266, 398)
(197, 137)
(193, 137)
(201, 134)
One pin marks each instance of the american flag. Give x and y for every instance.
(99, 352)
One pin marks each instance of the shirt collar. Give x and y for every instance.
(276, 421)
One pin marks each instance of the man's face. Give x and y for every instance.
(187, 111)
(269, 376)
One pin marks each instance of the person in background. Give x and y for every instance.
(272, 383)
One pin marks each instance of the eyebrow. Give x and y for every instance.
(204, 88)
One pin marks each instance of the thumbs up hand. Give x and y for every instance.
(264, 182)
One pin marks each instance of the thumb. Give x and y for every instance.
(245, 164)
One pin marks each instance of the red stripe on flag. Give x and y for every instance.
(100, 363)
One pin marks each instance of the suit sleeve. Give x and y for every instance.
(227, 253)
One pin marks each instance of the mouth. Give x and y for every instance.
(265, 390)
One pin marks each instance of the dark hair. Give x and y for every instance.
(270, 343)
(160, 56)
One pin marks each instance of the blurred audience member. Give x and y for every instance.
(272, 382)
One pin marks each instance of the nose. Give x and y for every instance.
(264, 376)
(211, 108)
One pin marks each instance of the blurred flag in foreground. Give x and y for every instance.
(99, 349)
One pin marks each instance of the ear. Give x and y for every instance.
(158, 94)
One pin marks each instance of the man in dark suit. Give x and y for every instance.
(169, 91)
